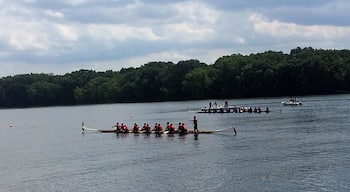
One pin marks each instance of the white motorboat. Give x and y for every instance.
(292, 102)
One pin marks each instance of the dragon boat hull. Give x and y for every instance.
(153, 132)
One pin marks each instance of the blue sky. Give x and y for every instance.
(40, 36)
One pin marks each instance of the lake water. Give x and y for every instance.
(303, 148)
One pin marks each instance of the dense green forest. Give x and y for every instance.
(304, 71)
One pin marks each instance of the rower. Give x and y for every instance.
(171, 129)
(136, 128)
(155, 128)
(118, 127)
(124, 128)
(167, 128)
(148, 129)
(144, 127)
(179, 129)
(159, 128)
(183, 129)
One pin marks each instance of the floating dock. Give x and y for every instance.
(233, 109)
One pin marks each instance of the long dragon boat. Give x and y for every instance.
(114, 130)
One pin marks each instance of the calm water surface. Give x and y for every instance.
(304, 148)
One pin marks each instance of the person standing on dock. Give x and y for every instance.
(195, 124)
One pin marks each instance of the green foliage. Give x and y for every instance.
(198, 83)
(303, 71)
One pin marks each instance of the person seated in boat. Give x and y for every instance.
(183, 129)
(167, 128)
(250, 110)
(144, 127)
(124, 128)
(159, 128)
(171, 129)
(136, 128)
(179, 128)
(148, 129)
(155, 127)
(118, 127)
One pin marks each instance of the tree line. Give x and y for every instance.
(304, 71)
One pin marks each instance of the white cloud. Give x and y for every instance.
(76, 2)
(187, 33)
(67, 32)
(60, 36)
(239, 40)
(109, 32)
(25, 36)
(55, 14)
(278, 29)
(194, 11)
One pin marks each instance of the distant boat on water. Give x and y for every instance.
(292, 102)
(232, 109)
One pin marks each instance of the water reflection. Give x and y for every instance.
(171, 137)
(158, 135)
(122, 135)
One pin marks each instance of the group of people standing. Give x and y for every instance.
(158, 128)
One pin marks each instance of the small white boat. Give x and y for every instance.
(292, 102)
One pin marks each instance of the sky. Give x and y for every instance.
(59, 37)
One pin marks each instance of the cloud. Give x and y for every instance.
(293, 31)
(59, 36)
(54, 14)
(333, 13)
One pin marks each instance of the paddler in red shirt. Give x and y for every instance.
(155, 128)
(167, 128)
(136, 128)
(159, 128)
(184, 128)
(144, 127)
(171, 128)
(124, 128)
(148, 129)
(118, 127)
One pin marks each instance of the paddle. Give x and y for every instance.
(82, 126)
(235, 131)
